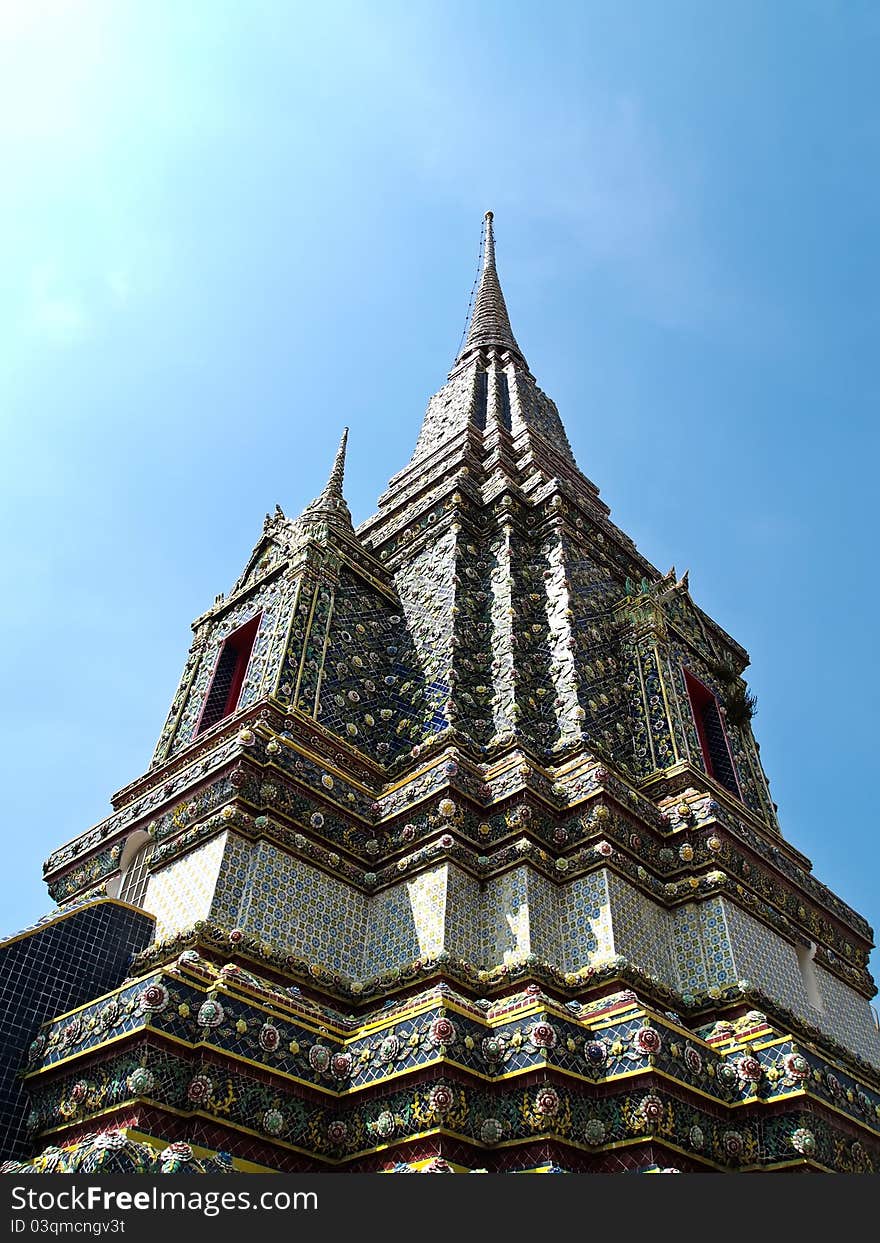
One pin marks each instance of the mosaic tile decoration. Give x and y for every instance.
(612, 1072)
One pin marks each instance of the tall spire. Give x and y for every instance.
(490, 323)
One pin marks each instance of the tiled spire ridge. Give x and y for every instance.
(490, 323)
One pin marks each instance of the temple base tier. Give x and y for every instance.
(596, 1077)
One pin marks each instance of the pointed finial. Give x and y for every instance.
(489, 242)
(337, 474)
(331, 500)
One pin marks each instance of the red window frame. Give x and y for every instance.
(241, 642)
(700, 697)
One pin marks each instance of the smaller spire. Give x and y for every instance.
(331, 502)
(333, 487)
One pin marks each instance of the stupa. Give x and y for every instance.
(456, 853)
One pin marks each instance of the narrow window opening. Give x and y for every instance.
(805, 956)
(229, 674)
(504, 399)
(710, 730)
(482, 398)
(134, 883)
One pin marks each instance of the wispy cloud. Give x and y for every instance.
(65, 309)
(119, 286)
(56, 312)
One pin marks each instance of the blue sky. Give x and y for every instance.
(227, 230)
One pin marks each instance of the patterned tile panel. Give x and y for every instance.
(544, 917)
(762, 955)
(182, 892)
(585, 922)
(506, 928)
(848, 1017)
(287, 901)
(464, 910)
(718, 958)
(405, 922)
(642, 930)
(687, 943)
(233, 892)
(768, 960)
